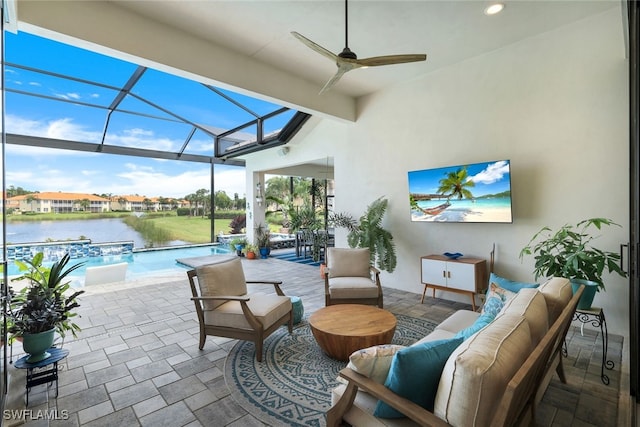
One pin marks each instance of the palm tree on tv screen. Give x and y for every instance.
(457, 184)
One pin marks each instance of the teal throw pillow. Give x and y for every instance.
(415, 374)
(483, 320)
(510, 285)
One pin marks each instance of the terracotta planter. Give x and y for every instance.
(251, 255)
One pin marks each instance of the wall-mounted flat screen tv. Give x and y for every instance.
(479, 192)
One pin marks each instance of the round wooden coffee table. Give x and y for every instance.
(344, 328)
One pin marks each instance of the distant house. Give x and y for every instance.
(60, 202)
(134, 203)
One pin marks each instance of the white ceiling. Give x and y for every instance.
(447, 31)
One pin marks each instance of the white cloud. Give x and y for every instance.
(42, 169)
(493, 173)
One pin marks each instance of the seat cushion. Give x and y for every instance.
(361, 413)
(557, 292)
(267, 308)
(459, 320)
(352, 287)
(482, 321)
(222, 278)
(478, 371)
(343, 262)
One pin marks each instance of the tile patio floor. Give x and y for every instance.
(136, 361)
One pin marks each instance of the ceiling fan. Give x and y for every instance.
(348, 60)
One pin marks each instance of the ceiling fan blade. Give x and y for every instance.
(337, 76)
(322, 51)
(390, 60)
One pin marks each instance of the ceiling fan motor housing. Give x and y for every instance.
(346, 53)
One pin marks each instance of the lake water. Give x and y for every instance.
(97, 230)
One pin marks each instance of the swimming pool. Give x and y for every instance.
(141, 263)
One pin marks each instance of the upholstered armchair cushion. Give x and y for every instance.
(223, 278)
(266, 308)
(343, 262)
(352, 287)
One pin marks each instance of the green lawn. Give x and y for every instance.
(191, 229)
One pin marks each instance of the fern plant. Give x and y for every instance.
(367, 232)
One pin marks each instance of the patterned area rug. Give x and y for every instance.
(292, 384)
(291, 256)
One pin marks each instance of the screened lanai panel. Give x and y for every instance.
(45, 85)
(62, 92)
(126, 130)
(190, 100)
(274, 124)
(200, 143)
(257, 106)
(33, 116)
(33, 51)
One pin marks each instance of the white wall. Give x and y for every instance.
(555, 105)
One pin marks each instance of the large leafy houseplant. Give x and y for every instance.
(44, 304)
(367, 232)
(569, 252)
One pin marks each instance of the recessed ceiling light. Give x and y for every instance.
(493, 8)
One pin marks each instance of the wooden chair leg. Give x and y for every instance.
(560, 370)
(258, 343)
(203, 338)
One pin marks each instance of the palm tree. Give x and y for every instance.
(30, 199)
(84, 204)
(456, 184)
(368, 232)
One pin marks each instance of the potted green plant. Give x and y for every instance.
(250, 251)
(238, 243)
(568, 252)
(263, 239)
(367, 232)
(43, 307)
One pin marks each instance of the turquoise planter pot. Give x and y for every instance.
(37, 345)
(589, 293)
(298, 309)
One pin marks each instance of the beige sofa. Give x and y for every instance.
(495, 377)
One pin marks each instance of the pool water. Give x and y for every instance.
(141, 263)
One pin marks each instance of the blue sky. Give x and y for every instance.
(43, 169)
(489, 178)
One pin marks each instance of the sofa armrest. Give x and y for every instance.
(358, 381)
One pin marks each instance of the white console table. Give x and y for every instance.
(462, 275)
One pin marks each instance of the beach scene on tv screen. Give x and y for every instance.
(479, 192)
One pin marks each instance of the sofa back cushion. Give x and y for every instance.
(531, 304)
(478, 371)
(557, 292)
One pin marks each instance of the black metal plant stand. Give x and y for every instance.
(595, 316)
(36, 375)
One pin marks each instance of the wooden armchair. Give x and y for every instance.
(226, 309)
(349, 278)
